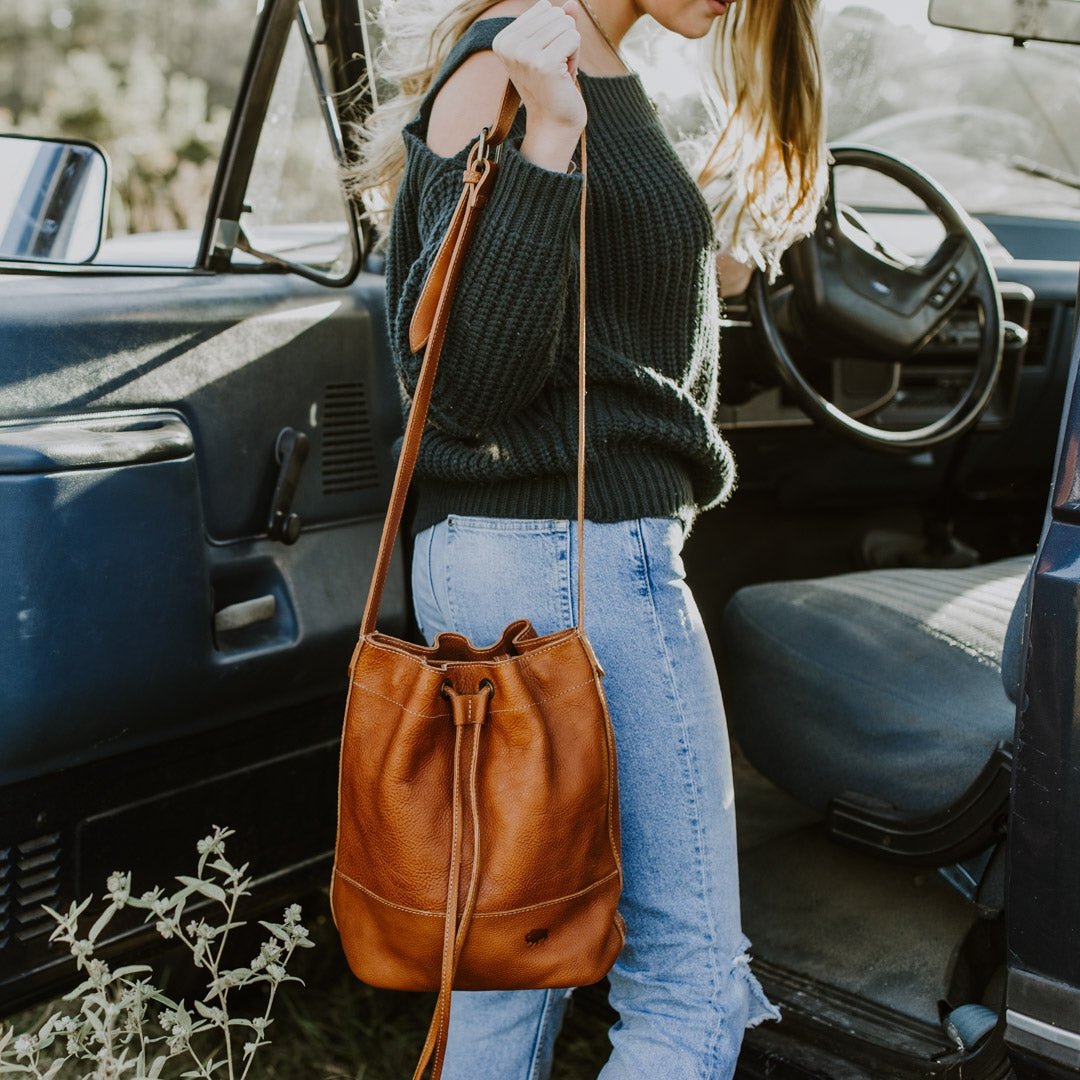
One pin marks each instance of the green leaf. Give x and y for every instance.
(183, 1018)
(131, 969)
(206, 1011)
(97, 1024)
(78, 992)
(179, 899)
(103, 920)
(277, 931)
(78, 909)
(156, 1066)
(205, 888)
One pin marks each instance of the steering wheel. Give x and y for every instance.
(858, 292)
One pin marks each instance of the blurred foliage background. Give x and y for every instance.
(151, 83)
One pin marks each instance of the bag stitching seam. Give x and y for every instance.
(479, 914)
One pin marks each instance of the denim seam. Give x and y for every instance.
(429, 570)
(566, 564)
(711, 1050)
(520, 526)
(547, 1016)
(451, 618)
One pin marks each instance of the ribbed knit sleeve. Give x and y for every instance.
(502, 337)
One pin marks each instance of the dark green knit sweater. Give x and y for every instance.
(502, 439)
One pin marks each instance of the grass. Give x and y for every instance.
(336, 1028)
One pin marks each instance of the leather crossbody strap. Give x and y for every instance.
(428, 328)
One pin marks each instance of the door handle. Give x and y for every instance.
(245, 613)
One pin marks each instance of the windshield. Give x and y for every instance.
(994, 124)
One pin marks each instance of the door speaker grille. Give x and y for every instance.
(29, 877)
(348, 451)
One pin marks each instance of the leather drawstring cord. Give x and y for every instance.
(469, 711)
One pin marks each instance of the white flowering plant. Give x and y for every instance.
(121, 1026)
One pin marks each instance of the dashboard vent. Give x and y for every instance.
(348, 452)
(29, 877)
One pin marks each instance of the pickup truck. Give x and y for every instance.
(198, 413)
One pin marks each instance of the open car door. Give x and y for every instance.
(194, 463)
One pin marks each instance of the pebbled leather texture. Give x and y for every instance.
(533, 827)
(546, 803)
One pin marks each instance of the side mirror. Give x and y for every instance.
(52, 199)
(1047, 20)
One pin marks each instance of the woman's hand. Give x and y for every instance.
(539, 50)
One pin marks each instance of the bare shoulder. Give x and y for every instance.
(466, 103)
(471, 97)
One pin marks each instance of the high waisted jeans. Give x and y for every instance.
(682, 984)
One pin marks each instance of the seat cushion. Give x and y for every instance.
(884, 682)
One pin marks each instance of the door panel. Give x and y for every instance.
(147, 594)
(102, 579)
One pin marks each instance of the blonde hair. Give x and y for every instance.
(410, 54)
(766, 174)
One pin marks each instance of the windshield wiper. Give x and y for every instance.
(1047, 172)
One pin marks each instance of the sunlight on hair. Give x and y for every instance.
(720, 109)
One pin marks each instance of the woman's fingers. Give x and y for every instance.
(539, 50)
(543, 38)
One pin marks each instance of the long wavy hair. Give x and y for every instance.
(766, 173)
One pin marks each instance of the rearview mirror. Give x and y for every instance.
(1046, 20)
(52, 199)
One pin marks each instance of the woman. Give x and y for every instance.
(495, 483)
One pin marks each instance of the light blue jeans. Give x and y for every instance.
(682, 984)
